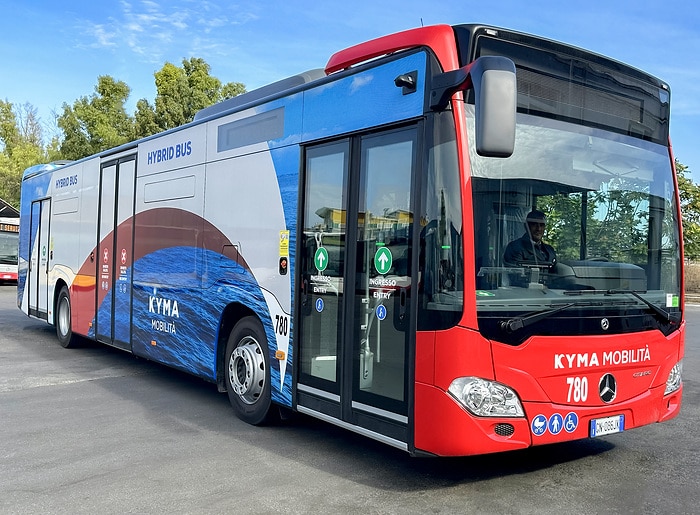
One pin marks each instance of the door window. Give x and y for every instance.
(383, 271)
(323, 262)
(356, 261)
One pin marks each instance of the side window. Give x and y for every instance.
(441, 259)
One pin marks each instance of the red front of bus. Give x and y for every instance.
(596, 386)
(8, 276)
(586, 338)
(9, 239)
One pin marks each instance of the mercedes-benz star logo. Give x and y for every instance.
(607, 388)
(605, 324)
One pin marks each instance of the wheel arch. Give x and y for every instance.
(58, 287)
(229, 318)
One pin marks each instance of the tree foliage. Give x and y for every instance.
(21, 144)
(616, 223)
(181, 92)
(690, 207)
(98, 122)
(615, 220)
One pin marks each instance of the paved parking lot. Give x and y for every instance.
(95, 430)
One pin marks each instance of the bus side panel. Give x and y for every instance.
(244, 202)
(358, 101)
(65, 230)
(84, 227)
(169, 264)
(286, 161)
(252, 198)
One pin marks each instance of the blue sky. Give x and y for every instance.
(52, 52)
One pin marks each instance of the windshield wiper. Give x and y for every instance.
(665, 315)
(516, 323)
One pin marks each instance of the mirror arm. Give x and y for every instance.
(447, 84)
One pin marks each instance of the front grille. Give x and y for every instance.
(505, 430)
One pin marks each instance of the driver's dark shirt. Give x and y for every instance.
(524, 250)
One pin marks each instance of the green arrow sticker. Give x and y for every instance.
(321, 259)
(383, 260)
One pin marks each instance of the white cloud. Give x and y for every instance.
(102, 36)
(155, 31)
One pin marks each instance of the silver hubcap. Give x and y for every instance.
(246, 370)
(63, 316)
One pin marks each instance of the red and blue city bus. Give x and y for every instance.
(334, 244)
(9, 244)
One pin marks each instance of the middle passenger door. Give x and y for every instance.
(356, 263)
(115, 252)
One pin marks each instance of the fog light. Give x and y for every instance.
(486, 398)
(673, 382)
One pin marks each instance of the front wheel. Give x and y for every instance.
(64, 329)
(248, 372)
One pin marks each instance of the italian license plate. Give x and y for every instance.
(607, 425)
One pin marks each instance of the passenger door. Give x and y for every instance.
(356, 262)
(115, 252)
(40, 254)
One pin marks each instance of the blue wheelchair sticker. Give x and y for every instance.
(570, 422)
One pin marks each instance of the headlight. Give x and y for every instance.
(673, 382)
(486, 398)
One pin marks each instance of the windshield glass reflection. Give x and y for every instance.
(575, 211)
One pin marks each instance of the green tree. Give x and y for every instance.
(613, 220)
(9, 132)
(145, 119)
(616, 223)
(232, 89)
(98, 122)
(171, 97)
(181, 92)
(690, 208)
(21, 145)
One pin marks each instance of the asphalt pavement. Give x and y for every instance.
(95, 430)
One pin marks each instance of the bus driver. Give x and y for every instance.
(529, 249)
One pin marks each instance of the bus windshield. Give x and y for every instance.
(8, 248)
(611, 235)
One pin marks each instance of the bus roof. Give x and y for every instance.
(260, 93)
(47, 167)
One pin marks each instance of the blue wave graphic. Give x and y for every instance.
(179, 294)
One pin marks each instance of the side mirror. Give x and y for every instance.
(495, 95)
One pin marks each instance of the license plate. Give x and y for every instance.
(607, 425)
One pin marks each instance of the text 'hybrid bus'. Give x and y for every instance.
(363, 244)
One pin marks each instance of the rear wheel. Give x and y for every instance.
(248, 372)
(64, 329)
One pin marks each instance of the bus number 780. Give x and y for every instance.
(578, 389)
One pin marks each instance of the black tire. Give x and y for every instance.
(247, 370)
(64, 329)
